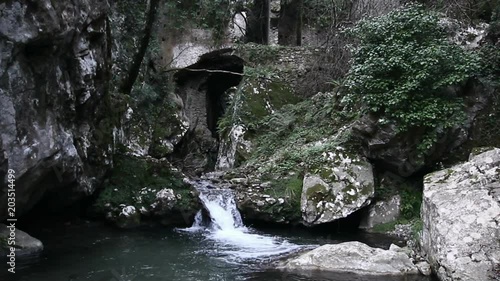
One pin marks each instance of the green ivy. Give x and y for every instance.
(402, 70)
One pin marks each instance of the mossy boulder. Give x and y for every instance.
(344, 185)
(275, 201)
(146, 188)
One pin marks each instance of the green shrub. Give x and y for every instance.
(411, 201)
(402, 70)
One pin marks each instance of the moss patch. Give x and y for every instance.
(135, 181)
(289, 189)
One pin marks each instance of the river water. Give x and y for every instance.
(217, 247)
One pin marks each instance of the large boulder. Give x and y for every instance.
(356, 258)
(341, 189)
(25, 244)
(55, 119)
(461, 216)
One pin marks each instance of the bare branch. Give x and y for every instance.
(204, 70)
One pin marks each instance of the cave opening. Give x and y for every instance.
(216, 98)
(213, 74)
(203, 87)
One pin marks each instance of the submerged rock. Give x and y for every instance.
(461, 216)
(24, 243)
(353, 257)
(345, 188)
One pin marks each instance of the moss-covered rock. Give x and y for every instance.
(151, 187)
(253, 100)
(276, 201)
(346, 185)
(309, 137)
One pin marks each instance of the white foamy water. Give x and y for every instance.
(233, 241)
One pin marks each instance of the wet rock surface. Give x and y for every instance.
(256, 199)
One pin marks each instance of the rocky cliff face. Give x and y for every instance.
(54, 123)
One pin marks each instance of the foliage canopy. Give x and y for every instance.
(403, 67)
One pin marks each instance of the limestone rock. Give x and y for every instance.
(25, 244)
(235, 145)
(382, 212)
(129, 217)
(262, 207)
(353, 257)
(165, 201)
(424, 268)
(461, 216)
(350, 187)
(54, 64)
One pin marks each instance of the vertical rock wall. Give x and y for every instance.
(54, 123)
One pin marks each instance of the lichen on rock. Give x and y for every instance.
(461, 215)
(346, 186)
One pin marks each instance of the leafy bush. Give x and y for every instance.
(411, 201)
(403, 67)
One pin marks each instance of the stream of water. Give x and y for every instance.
(236, 242)
(217, 247)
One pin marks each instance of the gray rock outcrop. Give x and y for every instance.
(353, 257)
(461, 216)
(54, 123)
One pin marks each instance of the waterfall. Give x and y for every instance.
(234, 240)
(222, 208)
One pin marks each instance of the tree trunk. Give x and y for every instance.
(290, 24)
(258, 23)
(135, 67)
